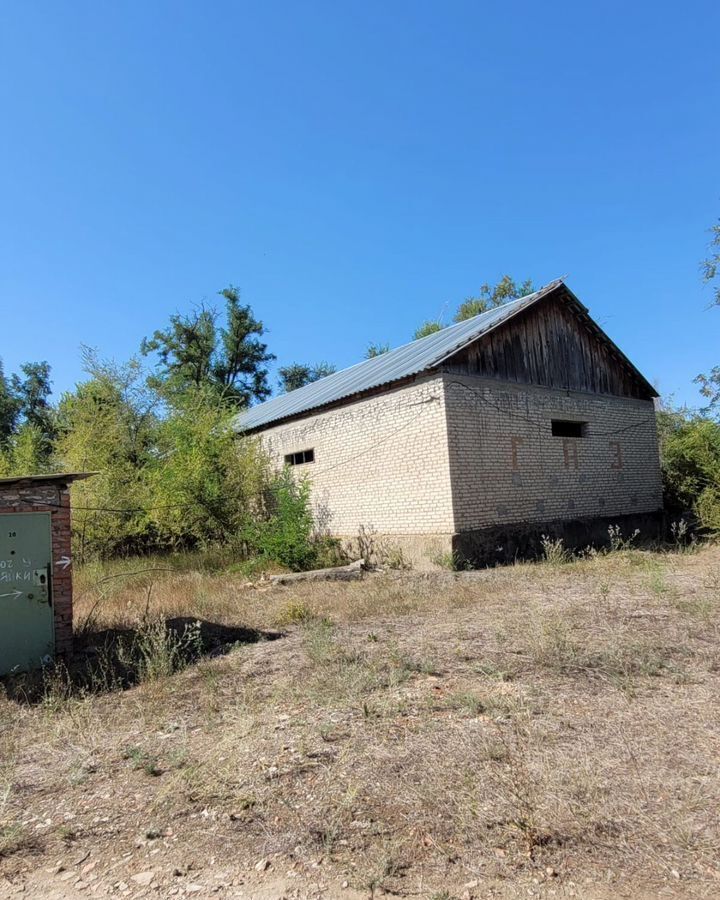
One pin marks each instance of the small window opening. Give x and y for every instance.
(300, 458)
(567, 429)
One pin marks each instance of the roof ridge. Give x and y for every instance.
(407, 359)
(445, 328)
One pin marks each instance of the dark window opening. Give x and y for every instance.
(298, 459)
(566, 429)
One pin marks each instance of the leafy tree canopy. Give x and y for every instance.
(710, 387)
(710, 383)
(374, 350)
(33, 396)
(25, 452)
(8, 407)
(297, 375)
(172, 473)
(108, 425)
(690, 456)
(491, 296)
(427, 328)
(205, 481)
(711, 265)
(197, 350)
(27, 420)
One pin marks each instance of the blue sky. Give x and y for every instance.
(355, 168)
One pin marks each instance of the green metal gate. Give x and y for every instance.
(27, 633)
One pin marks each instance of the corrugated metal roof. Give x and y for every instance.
(410, 359)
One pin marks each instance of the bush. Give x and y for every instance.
(690, 452)
(157, 651)
(285, 534)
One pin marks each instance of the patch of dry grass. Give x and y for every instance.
(548, 722)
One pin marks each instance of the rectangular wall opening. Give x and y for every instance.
(300, 458)
(568, 429)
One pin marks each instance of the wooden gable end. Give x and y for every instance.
(556, 344)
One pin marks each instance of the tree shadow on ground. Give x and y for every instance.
(116, 659)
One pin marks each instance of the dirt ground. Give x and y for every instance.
(547, 730)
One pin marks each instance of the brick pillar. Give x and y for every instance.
(62, 575)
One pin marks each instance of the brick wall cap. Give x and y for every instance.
(62, 478)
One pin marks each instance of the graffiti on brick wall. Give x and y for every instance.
(570, 453)
(516, 443)
(617, 458)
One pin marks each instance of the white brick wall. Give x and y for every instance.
(380, 462)
(455, 453)
(507, 467)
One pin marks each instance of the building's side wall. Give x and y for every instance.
(507, 468)
(381, 463)
(54, 499)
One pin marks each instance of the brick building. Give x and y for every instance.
(525, 420)
(36, 609)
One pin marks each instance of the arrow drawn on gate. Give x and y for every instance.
(14, 594)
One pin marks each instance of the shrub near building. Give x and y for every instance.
(690, 451)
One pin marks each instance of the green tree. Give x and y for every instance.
(26, 452)
(206, 483)
(427, 328)
(710, 383)
(492, 296)
(172, 474)
(108, 425)
(297, 375)
(32, 393)
(710, 387)
(27, 426)
(8, 408)
(196, 350)
(374, 350)
(37, 416)
(711, 265)
(690, 455)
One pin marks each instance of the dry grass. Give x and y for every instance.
(542, 728)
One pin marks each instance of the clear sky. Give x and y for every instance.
(355, 168)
